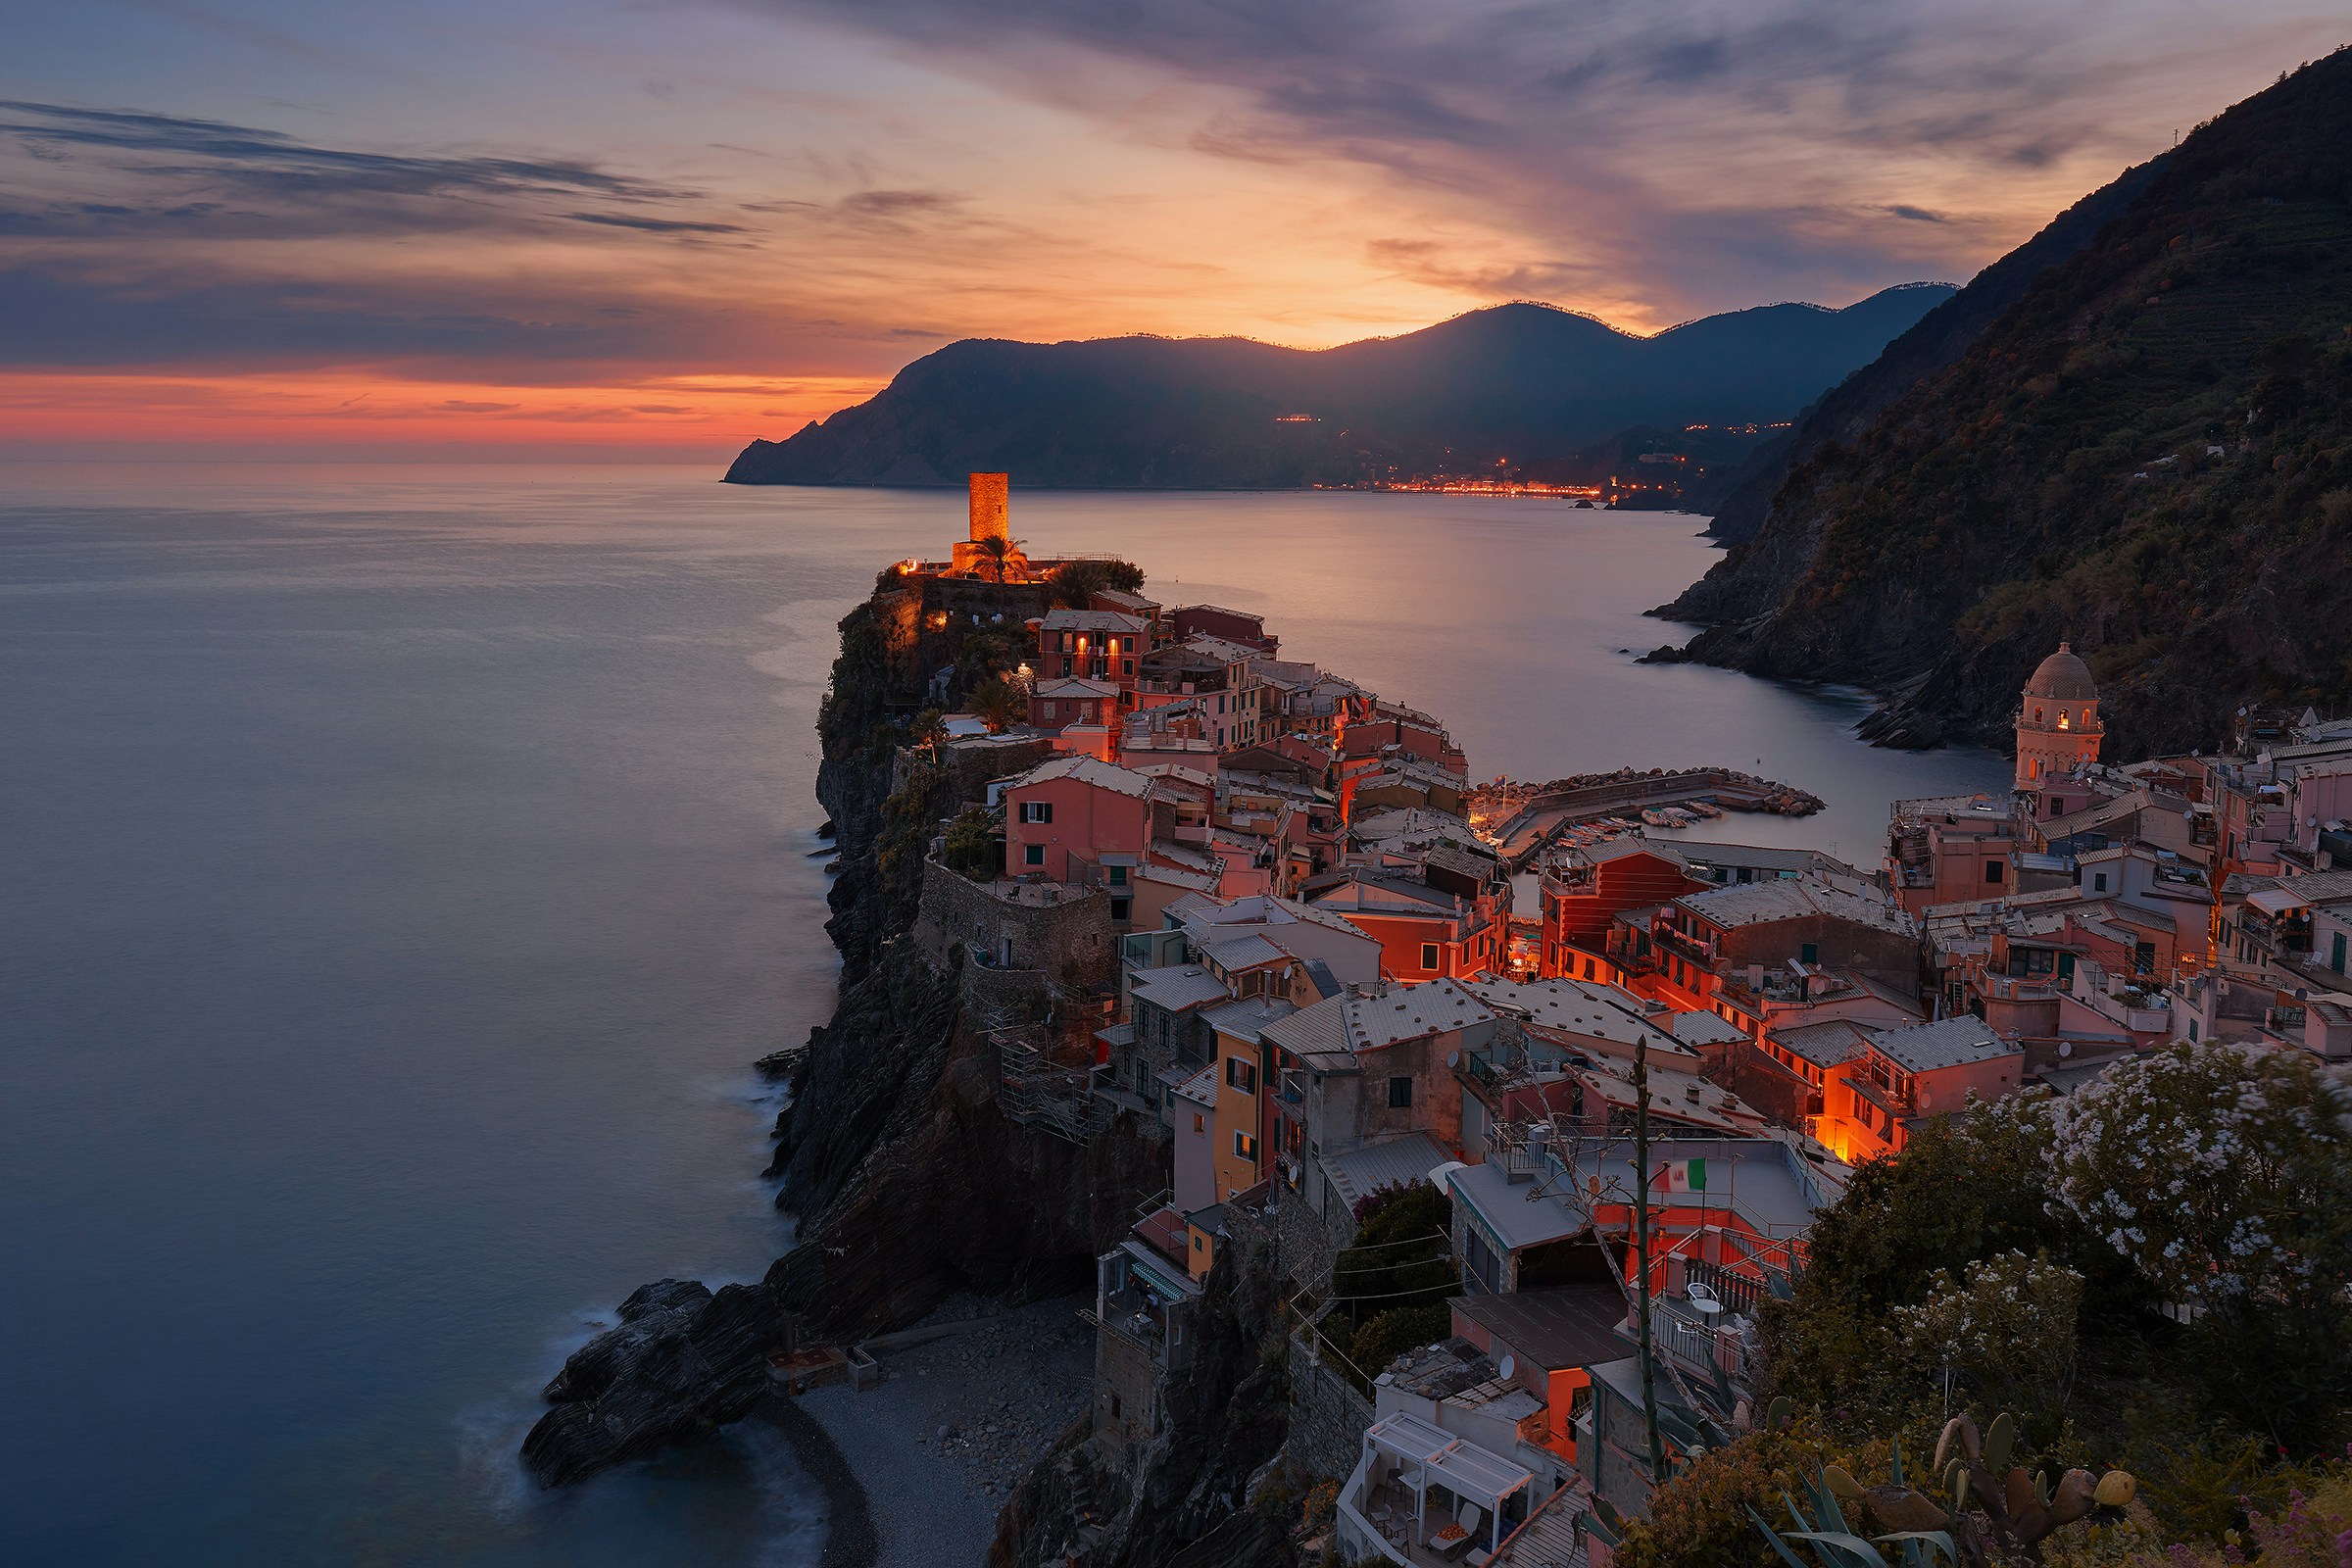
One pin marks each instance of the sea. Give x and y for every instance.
(400, 867)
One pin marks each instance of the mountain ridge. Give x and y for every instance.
(2148, 454)
(1524, 387)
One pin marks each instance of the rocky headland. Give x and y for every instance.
(2130, 434)
(911, 1187)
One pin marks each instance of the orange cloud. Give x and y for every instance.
(718, 412)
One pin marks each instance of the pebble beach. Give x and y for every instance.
(956, 1422)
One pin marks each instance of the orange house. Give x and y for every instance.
(1586, 887)
(1547, 1338)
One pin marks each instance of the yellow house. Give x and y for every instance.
(1244, 1119)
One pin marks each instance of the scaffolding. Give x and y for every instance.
(1038, 1085)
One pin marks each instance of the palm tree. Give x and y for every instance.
(930, 732)
(998, 552)
(999, 704)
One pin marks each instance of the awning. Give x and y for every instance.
(1461, 1466)
(2277, 900)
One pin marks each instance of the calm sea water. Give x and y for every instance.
(402, 865)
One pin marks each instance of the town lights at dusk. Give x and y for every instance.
(1424, 784)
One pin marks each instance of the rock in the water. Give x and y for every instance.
(682, 1363)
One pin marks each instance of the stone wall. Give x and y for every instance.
(1126, 1397)
(1327, 1417)
(970, 770)
(1068, 939)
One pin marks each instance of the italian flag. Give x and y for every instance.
(1682, 1176)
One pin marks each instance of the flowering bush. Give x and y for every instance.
(2312, 1531)
(2223, 1174)
(2220, 1171)
(2013, 1322)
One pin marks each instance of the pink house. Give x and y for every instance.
(1073, 816)
(1101, 645)
(1058, 704)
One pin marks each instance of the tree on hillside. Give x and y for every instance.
(999, 704)
(1395, 1279)
(1074, 582)
(929, 733)
(2223, 1175)
(2008, 1329)
(996, 554)
(1965, 1187)
(986, 652)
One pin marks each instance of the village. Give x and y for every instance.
(1208, 895)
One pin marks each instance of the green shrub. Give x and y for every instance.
(1385, 1335)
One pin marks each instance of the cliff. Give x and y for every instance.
(2146, 453)
(908, 1181)
(1936, 340)
(1186, 1501)
(1526, 387)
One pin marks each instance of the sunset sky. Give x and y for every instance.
(669, 225)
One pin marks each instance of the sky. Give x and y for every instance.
(665, 226)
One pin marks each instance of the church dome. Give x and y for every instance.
(2063, 677)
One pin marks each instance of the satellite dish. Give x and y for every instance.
(1507, 1367)
(2066, 1047)
(1453, 1059)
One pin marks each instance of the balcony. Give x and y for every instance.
(1693, 1337)
(2022, 987)
(1695, 949)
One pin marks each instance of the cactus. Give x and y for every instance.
(1984, 1522)
(1780, 1412)
(1999, 1438)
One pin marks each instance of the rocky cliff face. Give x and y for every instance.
(2149, 454)
(909, 1182)
(1938, 339)
(1185, 1502)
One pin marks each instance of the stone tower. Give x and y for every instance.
(992, 518)
(2058, 727)
(990, 507)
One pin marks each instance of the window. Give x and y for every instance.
(1118, 877)
(2192, 1031)
(2335, 954)
(1220, 702)
(1993, 870)
(1480, 1260)
(1400, 1094)
(1120, 909)
(1033, 855)
(1199, 1125)
(1810, 952)
(1127, 667)
(1245, 1147)
(1037, 810)
(1242, 1073)
(1045, 709)
(1429, 955)
(1143, 1079)
(2144, 958)
(2098, 881)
